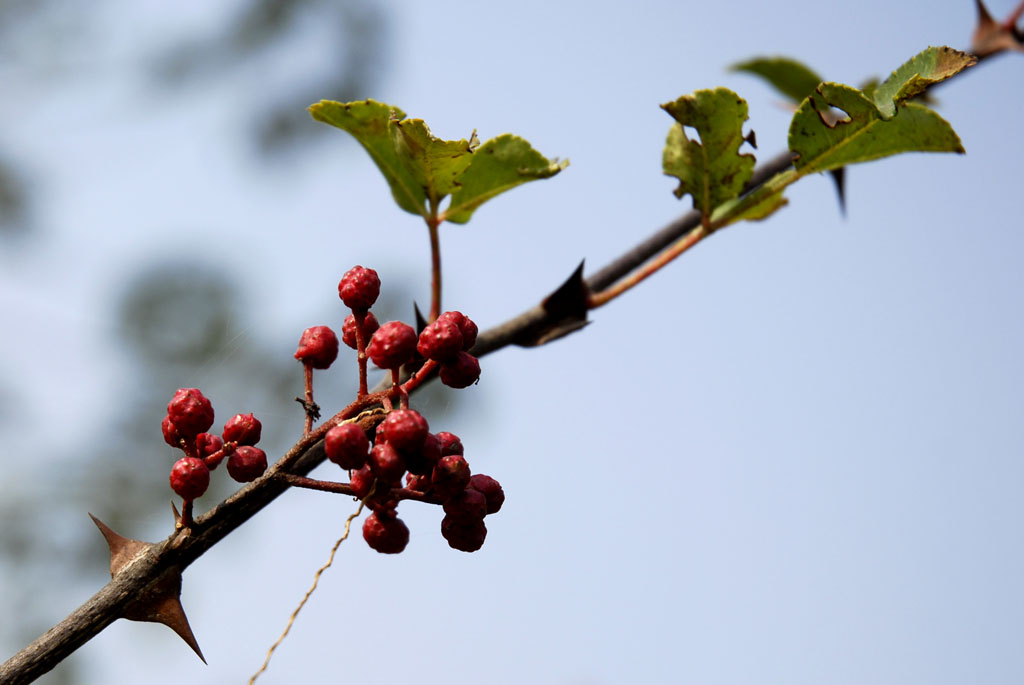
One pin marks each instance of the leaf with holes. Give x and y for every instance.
(712, 170)
(822, 141)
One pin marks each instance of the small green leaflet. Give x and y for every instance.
(791, 78)
(422, 169)
(712, 170)
(914, 76)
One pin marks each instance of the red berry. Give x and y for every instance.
(467, 328)
(387, 535)
(171, 435)
(189, 477)
(450, 443)
(462, 372)
(347, 446)
(422, 462)
(359, 288)
(491, 489)
(386, 463)
(466, 535)
(450, 476)
(318, 347)
(440, 341)
(468, 504)
(207, 444)
(392, 345)
(348, 329)
(404, 429)
(242, 429)
(247, 463)
(362, 481)
(190, 412)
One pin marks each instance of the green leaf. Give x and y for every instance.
(369, 122)
(791, 78)
(822, 141)
(712, 171)
(435, 164)
(498, 165)
(914, 76)
(420, 167)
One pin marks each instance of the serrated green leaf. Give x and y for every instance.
(864, 135)
(914, 76)
(791, 78)
(369, 122)
(432, 162)
(500, 164)
(712, 171)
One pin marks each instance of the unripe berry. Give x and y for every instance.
(450, 443)
(450, 476)
(242, 429)
(318, 347)
(467, 328)
(171, 435)
(347, 446)
(247, 463)
(348, 329)
(461, 372)
(491, 489)
(190, 412)
(362, 481)
(440, 341)
(359, 288)
(189, 477)
(392, 345)
(386, 463)
(387, 536)
(404, 429)
(465, 535)
(468, 504)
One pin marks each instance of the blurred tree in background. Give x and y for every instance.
(177, 319)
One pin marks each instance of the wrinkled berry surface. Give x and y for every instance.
(348, 329)
(491, 489)
(392, 345)
(247, 464)
(347, 446)
(386, 535)
(461, 372)
(189, 477)
(190, 412)
(318, 347)
(359, 288)
(243, 429)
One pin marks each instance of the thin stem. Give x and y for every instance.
(315, 484)
(421, 375)
(360, 321)
(639, 275)
(307, 377)
(309, 593)
(397, 391)
(433, 222)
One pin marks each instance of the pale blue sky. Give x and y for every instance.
(795, 456)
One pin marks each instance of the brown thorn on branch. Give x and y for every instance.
(160, 601)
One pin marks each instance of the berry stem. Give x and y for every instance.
(417, 379)
(433, 222)
(360, 318)
(596, 300)
(307, 378)
(186, 520)
(397, 391)
(346, 488)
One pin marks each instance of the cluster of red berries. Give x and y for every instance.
(393, 344)
(189, 418)
(433, 466)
